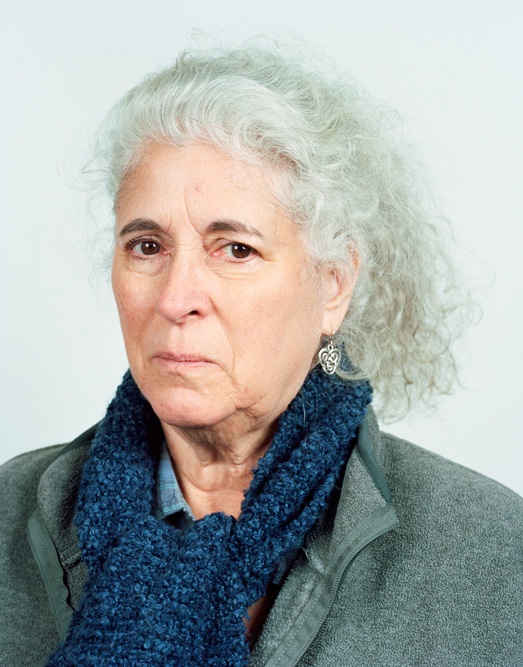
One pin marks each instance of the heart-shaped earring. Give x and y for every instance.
(329, 358)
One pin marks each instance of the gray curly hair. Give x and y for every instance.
(346, 181)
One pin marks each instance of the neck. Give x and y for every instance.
(214, 467)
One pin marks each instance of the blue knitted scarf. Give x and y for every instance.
(158, 596)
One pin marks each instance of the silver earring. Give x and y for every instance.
(329, 357)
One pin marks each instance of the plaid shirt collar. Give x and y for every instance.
(169, 496)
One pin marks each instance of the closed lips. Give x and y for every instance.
(180, 358)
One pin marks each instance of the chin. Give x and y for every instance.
(187, 408)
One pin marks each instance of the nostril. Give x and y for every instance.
(193, 312)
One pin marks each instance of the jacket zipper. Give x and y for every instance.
(290, 652)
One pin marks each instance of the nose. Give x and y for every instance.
(184, 291)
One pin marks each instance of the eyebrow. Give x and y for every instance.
(140, 225)
(233, 226)
(227, 225)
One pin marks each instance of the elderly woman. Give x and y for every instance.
(238, 504)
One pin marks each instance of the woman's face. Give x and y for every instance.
(220, 311)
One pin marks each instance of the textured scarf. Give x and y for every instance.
(157, 596)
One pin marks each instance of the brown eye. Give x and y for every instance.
(240, 251)
(147, 248)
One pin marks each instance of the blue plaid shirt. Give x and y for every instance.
(173, 508)
(171, 505)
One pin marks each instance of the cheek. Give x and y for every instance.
(133, 300)
(282, 317)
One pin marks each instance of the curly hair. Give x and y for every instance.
(346, 180)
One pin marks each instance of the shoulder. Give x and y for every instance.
(22, 474)
(46, 479)
(458, 548)
(19, 482)
(448, 577)
(20, 477)
(428, 485)
(25, 470)
(450, 514)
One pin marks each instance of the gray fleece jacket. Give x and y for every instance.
(417, 562)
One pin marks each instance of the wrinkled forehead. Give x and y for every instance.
(251, 173)
(205, 183)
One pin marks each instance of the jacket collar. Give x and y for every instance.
(364, 489)
(363, 512)
(57, 494)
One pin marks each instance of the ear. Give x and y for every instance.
(339, 281)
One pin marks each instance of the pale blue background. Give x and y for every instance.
(454, 68)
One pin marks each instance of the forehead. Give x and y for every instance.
(198, 178)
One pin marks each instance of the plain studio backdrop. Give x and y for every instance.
(452, 68)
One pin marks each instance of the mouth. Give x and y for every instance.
(182, 361)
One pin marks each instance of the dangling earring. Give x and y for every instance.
(329, 357)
